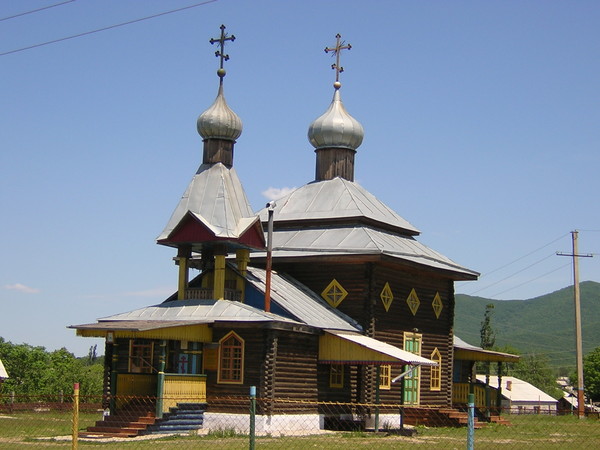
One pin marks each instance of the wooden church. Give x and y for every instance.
(323, 296)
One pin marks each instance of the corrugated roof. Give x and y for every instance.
(300, 302)
(3, 373)
(199, 311)
(335, 199)
(396, 354)
(360, 240)
(216, 197)
(520, 391)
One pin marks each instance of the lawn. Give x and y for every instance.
(51, 430)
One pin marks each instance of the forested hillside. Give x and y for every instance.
(543, 324)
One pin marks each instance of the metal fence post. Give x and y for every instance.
(75, 415)
(471, 422)
(252, 417)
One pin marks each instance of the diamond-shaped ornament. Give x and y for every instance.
(387, 297)
(413, 302)
(334, 293)
(437, 305)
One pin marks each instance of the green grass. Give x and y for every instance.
(24, 430)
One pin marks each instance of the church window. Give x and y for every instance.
(336, 376)
(385, 377)
(436, 371)
(231, 359)
(334, 293)
(387, 297)
(413, 301)
(141, 353)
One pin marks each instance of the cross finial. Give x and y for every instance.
(339, 46)
(221, 52)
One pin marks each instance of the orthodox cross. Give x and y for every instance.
(339, 46)
(221, 52)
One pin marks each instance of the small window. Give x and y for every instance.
(140, 356)
(436, 371)
(336, 376)
(385, 377)
(231, 359)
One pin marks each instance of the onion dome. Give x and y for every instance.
(336, 128)
(219, 121)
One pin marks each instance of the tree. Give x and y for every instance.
(591, 375)
(34, 371)
(487, 333)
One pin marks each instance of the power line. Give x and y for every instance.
(106, 28)
(36, 10)
(513, 274)
(529, 281)
(525, 256)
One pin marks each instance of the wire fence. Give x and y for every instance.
(248, 422)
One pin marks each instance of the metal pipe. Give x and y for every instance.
(271, 207)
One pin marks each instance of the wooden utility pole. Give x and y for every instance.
(578, 342)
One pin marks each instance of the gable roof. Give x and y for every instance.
(520, 391)
(215, 197)
(300, 302)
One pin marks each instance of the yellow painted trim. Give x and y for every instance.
(335, 348)
(437, 305)
(334, 293)
(436, 371)
(183, 388)
(387, 296)
(224, 338)
(183, 278)
(196, 333)
(219, 288)
(242, 259)
(413, 302)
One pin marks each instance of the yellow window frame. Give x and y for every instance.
(385, 377)
(436, 371)
(336, 376)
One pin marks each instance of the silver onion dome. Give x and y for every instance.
(219, 121)
(336, 128)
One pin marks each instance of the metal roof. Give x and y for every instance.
(335, 199)
(359, 239)
(520, 391)
(300, 302)
(393, 354)
(469, 352)
(216, 197)
(199, 311)
(3, 373)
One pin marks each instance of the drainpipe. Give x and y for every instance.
(271, 207)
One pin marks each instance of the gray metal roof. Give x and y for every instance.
(520, 391)
(199, 311)
(302, 303)
(335, 199)
(354, 240)
(216, 197)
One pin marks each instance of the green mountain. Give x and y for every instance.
(544, 324)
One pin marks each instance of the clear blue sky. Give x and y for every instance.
(481, 128)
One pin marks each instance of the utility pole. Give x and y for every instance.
(578, 342)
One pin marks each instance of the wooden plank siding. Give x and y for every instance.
(364, 282)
